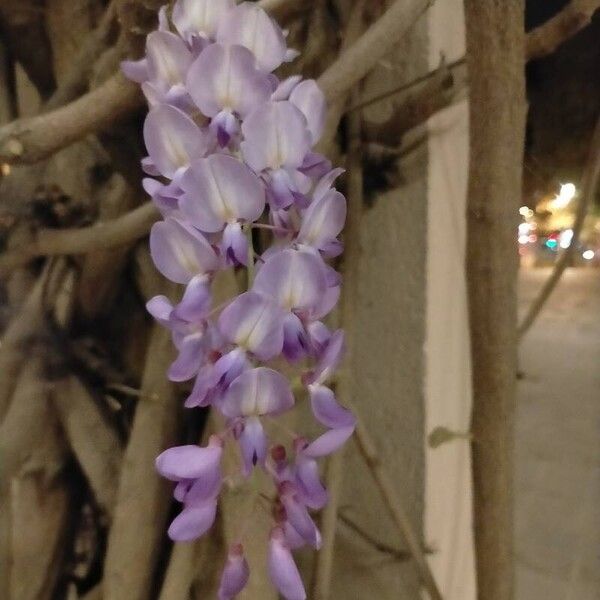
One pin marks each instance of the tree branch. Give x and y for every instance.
(422, 99)
(591, 178)
(394, 505)
(30, 140)
(373, 45)
(546, 38)
(101, 236)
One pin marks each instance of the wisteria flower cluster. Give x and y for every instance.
(230, 151)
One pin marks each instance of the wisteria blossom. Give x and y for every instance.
(230, 151)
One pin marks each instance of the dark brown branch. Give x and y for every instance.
(546, 38)
(591, 178)
(29, 140)
(101, 236)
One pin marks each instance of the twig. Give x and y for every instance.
(29, 140)
(101, 236)
(375, 43)
(440, 89)
(447, 80)
(589, 187)
(398, 554)
(546, 38)
(394, 505)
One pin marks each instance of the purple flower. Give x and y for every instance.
(199, 18)
(235, 574)
(250, 26)
(225, 79)
(282, 568)
(197, 472)
(255, 393)
(173, 140)
(180, 252)
(230, 150)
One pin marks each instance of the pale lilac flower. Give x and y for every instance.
(225, 85)
(229, 150)
(197, 472)
(222, 192)
(282, 568)
(250, 26)
(173, 140)
(199, 18)
(235, 574)
(254, 394)
(180, 252)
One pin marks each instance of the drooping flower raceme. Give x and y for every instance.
(230, 150)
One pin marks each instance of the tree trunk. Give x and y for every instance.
(495, 38)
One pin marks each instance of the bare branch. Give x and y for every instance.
(101, 236)
(591, 178)
(421, 100)
(32, 139)
(546, 38)
(376, 42)
(395, 507)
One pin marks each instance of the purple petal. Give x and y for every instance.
(199, 17)
(282, 568)
(255, 323)
(315, 165)
(196, 300)
(327, 304)
(331, 357)
(325, 183)
(253, 444)
(221, 189)
(309, 98)
(191, 354)
(260, 391)
(226, 128)
(329, 442)
(135, 70)
(205, 488)
(160, 308)
(326, 409)
(250, 26)
(275, 135)
(285, 88)
(292, 538)
(179, 252)
(235, 574)
(193, 522)
(168, 58)
(299, 518)
(205, 382)
(323, 220)
(296, 343)
(225, 78)
(294, 278)
(172, 139)
(189, 462)
(234, 245)
(308, 483)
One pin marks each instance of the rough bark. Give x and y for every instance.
(495, 40)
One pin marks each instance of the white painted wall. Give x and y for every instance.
(448, 495)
